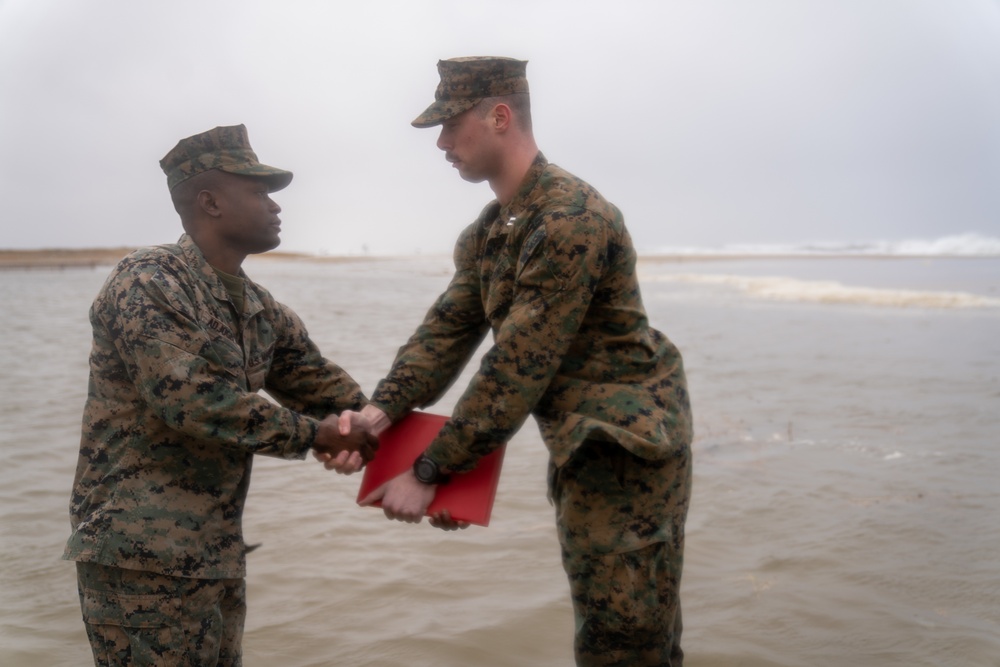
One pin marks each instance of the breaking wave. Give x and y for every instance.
(816, 291)
(961, 245)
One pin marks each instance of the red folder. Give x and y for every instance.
(467, 496)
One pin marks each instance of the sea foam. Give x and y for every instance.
(825, 291)
(960, 245)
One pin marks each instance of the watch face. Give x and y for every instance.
(425, 470)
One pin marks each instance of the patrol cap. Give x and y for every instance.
(465, 81)
(226, 148)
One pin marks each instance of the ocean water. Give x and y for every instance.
(846, 509)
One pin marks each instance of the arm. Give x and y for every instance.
(424, 368)
(187, 373)
(428, 363)
(562, 257)
(299, 377)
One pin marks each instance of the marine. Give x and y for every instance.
(549, 270)
(183, 344)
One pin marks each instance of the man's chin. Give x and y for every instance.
(471, 178)
(267, 246)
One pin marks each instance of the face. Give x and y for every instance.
(250, 222)
(469, 145)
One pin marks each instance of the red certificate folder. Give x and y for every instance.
(468, 496)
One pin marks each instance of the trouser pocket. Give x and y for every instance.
(131, 629)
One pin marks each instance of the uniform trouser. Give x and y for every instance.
(145, 618)
(621, 530)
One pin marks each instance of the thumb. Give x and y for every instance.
(344, 422)
(374, 496)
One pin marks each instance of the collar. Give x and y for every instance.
(514, 210)
(196, 260)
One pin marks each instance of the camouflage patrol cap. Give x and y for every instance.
(226, 148)
(465, 81)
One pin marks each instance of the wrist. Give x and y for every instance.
(378, 421)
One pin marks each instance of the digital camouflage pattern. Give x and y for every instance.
(146, 618)
(553, 275)
(621, 529)
(173, 417)
(226, 148)
(465, 81)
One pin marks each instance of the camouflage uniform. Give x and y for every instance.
(172, 421)
(552, 274)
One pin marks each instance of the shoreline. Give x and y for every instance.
(72, 258)
(66, 258)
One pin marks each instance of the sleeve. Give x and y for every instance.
(430, 361)
(558, 269)
(301, 379)
(177, 366)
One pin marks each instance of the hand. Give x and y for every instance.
(340, 438)
(345, 463)
(444, 521)
(403, 498)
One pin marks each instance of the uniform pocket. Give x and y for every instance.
(132, 629)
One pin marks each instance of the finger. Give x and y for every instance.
(406, 517)
(332, 463)
(444, 521)
(339, 463)
(351, 464)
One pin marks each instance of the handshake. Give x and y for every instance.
(347, 442)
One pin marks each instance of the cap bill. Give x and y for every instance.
(276, 179)
(442, 110)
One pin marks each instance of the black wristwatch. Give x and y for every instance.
(428, 472)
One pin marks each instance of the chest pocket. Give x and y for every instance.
(226, 350)
(251, 371)
(499, 287)
(256, 376)
(250, 362)
(259, 340)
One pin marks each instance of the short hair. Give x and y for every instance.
(520, 104)
(184, 196)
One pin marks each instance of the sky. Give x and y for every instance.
(709, 123)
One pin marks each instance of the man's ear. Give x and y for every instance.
(502, 116)
(209, 203)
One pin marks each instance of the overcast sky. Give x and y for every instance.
(708, 122)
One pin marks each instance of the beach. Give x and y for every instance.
(845, 504)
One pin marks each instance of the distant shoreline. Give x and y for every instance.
(68, 258)
(64, 258)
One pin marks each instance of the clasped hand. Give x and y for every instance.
(345, 443)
